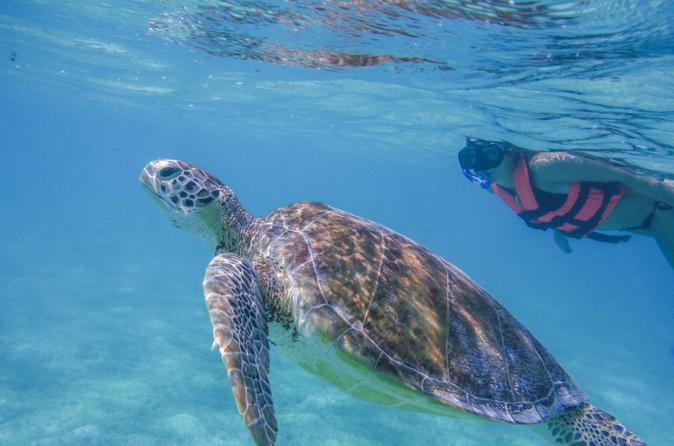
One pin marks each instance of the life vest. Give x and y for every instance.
(586, 206)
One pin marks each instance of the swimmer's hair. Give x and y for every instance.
(505, 145)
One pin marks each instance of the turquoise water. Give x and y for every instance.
(104, 338)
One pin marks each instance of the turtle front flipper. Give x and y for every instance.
(236, 309)
(587, 425)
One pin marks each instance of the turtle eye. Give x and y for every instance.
(204, 201)
(168, 172)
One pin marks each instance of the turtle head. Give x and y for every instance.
(193, 199)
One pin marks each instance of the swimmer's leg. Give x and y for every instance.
(663, 230)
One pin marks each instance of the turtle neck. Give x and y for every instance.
(236, 227)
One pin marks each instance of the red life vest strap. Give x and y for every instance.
(524, 198)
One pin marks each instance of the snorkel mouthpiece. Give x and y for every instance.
(475, 178)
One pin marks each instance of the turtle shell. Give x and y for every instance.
(407, 313)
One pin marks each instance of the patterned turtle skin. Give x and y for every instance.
(368, 310)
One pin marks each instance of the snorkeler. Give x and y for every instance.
(573, 195)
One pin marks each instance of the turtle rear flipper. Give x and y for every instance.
(240, 331)
(587, 425)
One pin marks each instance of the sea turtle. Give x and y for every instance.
(368, 310)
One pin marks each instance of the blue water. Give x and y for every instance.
(104, 338)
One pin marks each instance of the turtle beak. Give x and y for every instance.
(147, 177)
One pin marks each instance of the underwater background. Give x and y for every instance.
(104, 337)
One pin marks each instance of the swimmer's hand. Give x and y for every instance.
(667, 191)
(562, 242)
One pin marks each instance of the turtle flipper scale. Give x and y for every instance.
(587, 425)
(236, 310)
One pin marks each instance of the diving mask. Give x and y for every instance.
(479, 155)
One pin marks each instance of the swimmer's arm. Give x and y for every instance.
(562, 167)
